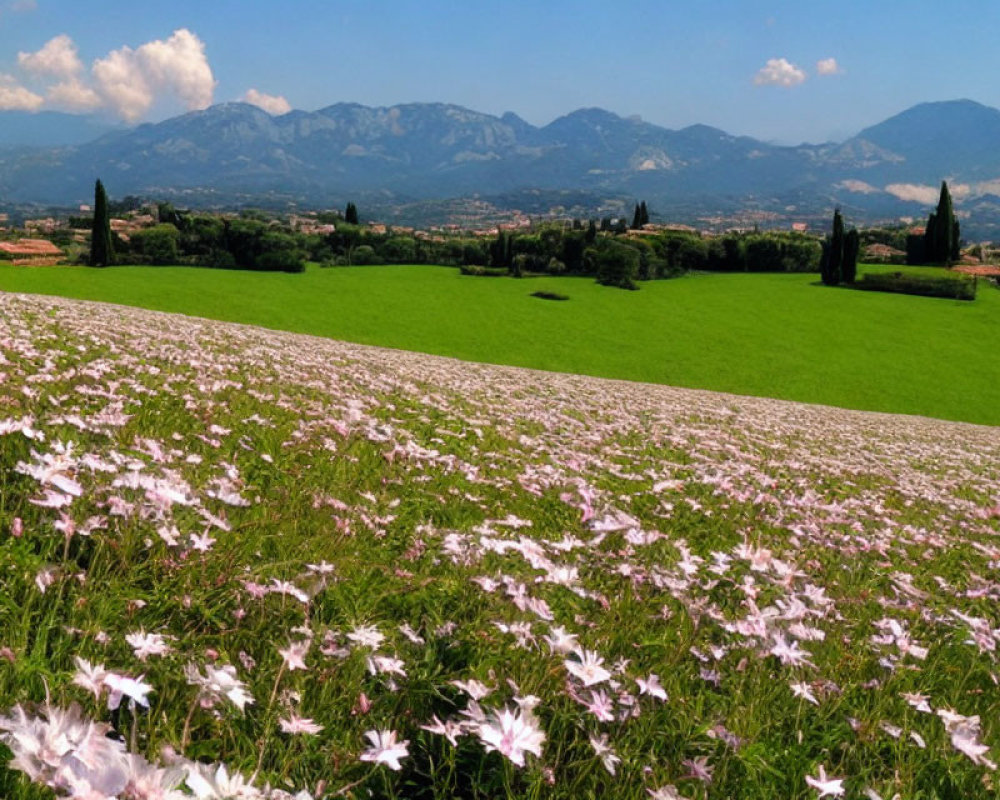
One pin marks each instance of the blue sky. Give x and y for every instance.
(746, 66)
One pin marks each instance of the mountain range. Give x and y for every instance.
(234, 153)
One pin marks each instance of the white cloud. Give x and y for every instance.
(857, 186)
(272, 104)
(73, 95)
(828, 66)
(14, 97)
(58, 58)
(130, 81)
(960, 191)
(914, 192)
(987, 187)
(779, 72)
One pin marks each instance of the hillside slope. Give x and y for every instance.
(273, 559)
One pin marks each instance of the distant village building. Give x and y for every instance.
(884, 254)
(31, 252)
(47, 225)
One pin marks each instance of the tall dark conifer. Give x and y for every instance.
(636, 218)
(849, 266)
(941, 240)
(834, 255)
(643, 214)
(101, 247)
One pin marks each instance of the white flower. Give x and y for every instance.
(219, 682)
(450, 729)
(133, 688)
(560, 640)
(477, 690)
(588, 669)
(804, 691)
(89, 676)
(651, 686)
(219, 785)
(512, 734)
(297, 724)
(295, 654)
(385, 749)
(61, 749)
(148, 644)
(604, 752)
(386, 665)
(367, 636)
(827, 787)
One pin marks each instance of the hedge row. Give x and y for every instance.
(926, 286)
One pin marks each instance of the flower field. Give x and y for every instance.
(239, 563)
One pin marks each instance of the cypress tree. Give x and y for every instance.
(101, 247)
(835, 253)
(643, 214)
(930, 238)
(941, 239)
(351, 214)
(944, 231)
(849, 267)
(636, 218)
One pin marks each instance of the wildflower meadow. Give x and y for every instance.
(240, 563)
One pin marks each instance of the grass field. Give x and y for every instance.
(772, 335)
(246, 565)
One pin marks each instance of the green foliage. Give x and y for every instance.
(839, 262)
(102, 252)
(364, 255)
(616, 264)
(916, 249)
(351, 214)
(849, 266)
(401, 250)
(958, 288)
(941, 238)
(833, 252)
(483, 272)
(640, 216)
(156, 245)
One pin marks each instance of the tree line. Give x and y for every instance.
(254, 241)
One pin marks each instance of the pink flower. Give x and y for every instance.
(295, 654)
(297, 724)
(512, 733)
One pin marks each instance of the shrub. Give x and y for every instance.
(364, 255)
(617, 265)
(157, 245)
(926, 286)
(482, 272)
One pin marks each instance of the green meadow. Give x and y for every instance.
(773, 335)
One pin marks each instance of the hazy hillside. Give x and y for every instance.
(234, 153)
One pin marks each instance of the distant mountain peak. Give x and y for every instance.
(435, 151)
